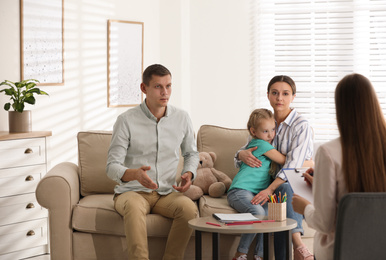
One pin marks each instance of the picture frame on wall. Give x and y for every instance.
(41, 41)
(125, 63)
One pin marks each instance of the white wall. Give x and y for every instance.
(221, 62)
(205, 44)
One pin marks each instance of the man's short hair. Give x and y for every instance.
(155, 69)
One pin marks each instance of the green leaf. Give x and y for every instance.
(19, 107)
(30, 85)
(9, 91)
(7, 106)
(43, 93)
(37, 91)
(29, 80)
(8, 83)
(34, 90)
(30, 100)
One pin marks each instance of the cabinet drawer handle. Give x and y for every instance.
(30, 206)
(29, 178)
(28, 150)
(30, 233)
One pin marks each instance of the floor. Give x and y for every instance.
(308, 242)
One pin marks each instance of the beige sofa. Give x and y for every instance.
(79, 198)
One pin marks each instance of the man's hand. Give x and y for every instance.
(141, 176)
(144, 179)
(248, 158)
(261, 197)
(186, 181)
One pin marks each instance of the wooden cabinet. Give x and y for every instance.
(23, 222)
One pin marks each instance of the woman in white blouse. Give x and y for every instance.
(354, 162)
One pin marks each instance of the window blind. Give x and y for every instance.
(316, 43)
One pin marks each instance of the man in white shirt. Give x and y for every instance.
(143, 158)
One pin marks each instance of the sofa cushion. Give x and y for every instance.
(208, 206)
(96, 214)
(93, 147)
(225, 143)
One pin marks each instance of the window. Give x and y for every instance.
(317, 43)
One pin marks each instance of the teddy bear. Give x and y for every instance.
(208, 180)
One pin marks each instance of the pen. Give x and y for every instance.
(213, 224)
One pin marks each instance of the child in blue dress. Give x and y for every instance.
(250, 181)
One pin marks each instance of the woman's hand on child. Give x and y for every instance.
(248, 158)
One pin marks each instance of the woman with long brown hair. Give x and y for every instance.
(354, 162)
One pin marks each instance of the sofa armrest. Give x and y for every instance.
(59, 191)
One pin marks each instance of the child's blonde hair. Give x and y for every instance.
(256, 116)
(253, 122)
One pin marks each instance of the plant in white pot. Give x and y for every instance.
(21, 92)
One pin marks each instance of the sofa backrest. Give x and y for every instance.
(93, 147)
(224, 142)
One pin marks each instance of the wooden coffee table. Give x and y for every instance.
(200, 225)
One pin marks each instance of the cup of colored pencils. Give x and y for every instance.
(277, 207)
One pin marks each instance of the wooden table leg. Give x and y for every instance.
(216, 246)
(198, 245)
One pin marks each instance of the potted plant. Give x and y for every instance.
(21, 92)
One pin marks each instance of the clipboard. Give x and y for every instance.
(297, 183)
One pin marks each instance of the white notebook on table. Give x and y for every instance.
(236, 217)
